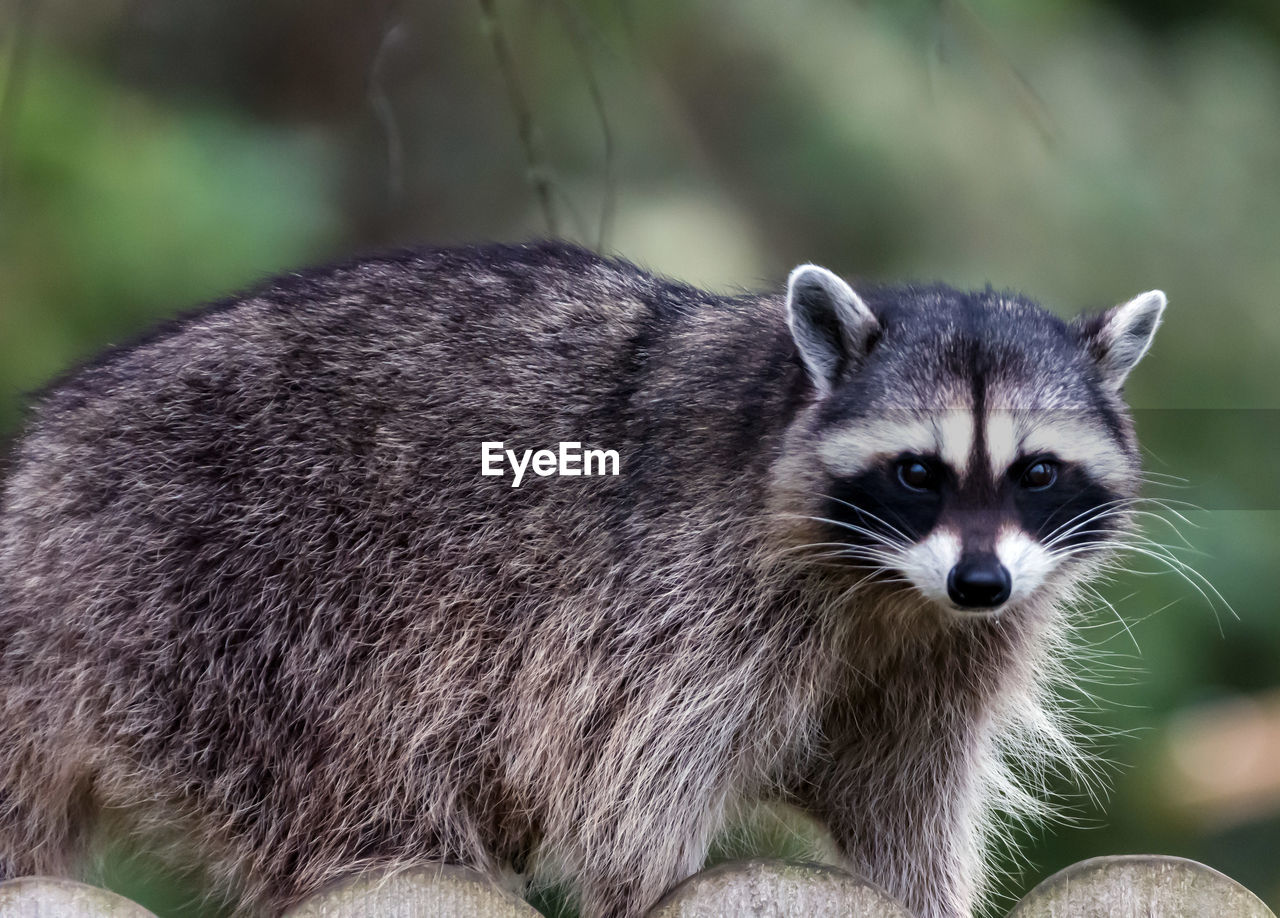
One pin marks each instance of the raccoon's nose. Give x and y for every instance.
(979, 582)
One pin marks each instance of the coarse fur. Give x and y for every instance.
(257, 601)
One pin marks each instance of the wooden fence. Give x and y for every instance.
(1139, 886)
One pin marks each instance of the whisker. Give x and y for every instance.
(1120, 618)
(869, 533)
(880, 561)
(1093, 512)
(1169, 480)
(1161, 553)
(865, 512)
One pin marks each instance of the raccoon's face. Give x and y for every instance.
(971, 445)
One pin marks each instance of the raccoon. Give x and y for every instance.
(260, 607)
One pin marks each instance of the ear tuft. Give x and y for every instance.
(1120, 337)
(832, 328)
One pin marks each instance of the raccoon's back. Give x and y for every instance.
(303, 464)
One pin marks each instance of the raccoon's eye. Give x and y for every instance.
(1040, 475)
(918, 475)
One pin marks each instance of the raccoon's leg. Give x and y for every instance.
(902, 811)
(625, 874)
(639, 834)
(915, 855)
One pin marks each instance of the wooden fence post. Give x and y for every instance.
(776, 889)
(52, 897)
(1140, 886)
(423, 892)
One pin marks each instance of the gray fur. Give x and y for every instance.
(258, 604)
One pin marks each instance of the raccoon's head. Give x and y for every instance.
(969, 444)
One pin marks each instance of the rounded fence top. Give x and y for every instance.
(777, 889)
(54, 897)
(421, 892)
(1140, 886)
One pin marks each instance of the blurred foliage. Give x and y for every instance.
(114, 209)
(156, 153)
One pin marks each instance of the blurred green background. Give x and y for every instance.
(156, 153)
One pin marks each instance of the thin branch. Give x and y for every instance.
(576, 221)
(578, 39)
(1031, 104)
(538, 175)
(383, 110)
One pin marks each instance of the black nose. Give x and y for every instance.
(979, 582)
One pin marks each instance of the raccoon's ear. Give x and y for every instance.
(832, 327)
(1119, 337)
